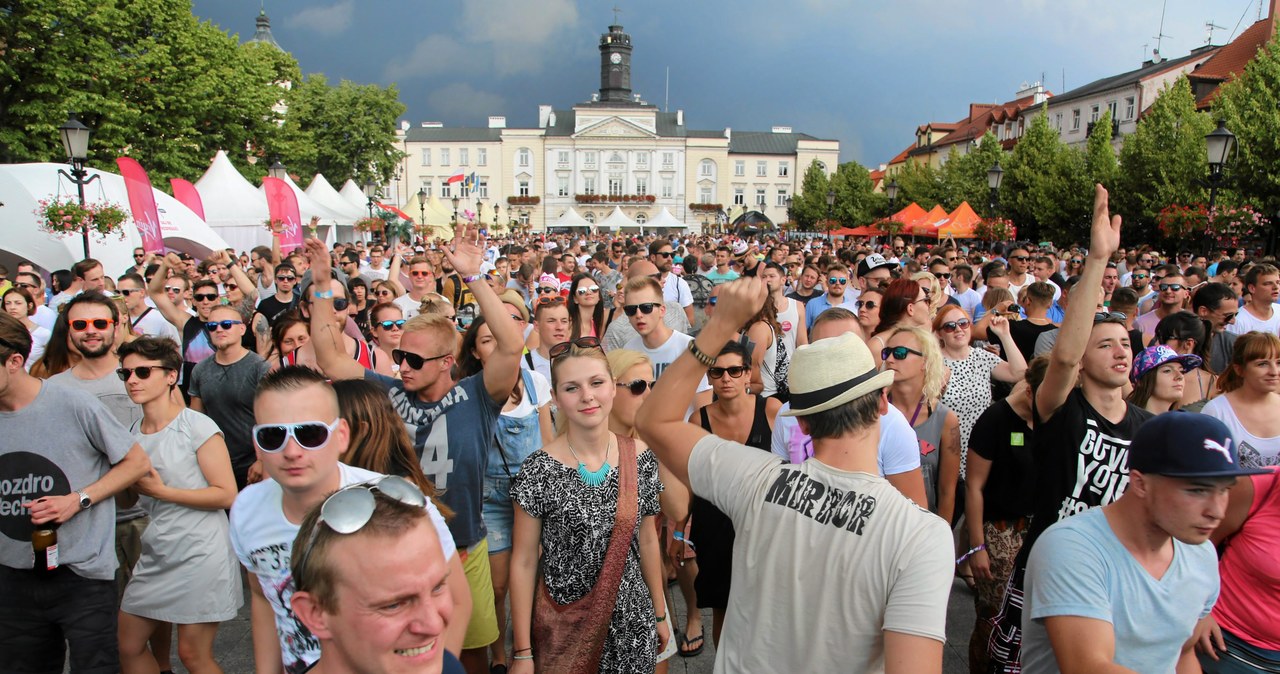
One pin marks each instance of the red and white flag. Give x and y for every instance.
(456, 178)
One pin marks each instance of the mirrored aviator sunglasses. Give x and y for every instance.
(310, 435)
(349, 509)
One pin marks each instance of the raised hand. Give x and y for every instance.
(321, 269)
(1104, 239)
(999, 325)
(467, 251)
(739, 300)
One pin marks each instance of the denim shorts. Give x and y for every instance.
(497, 513)
(1240, 658)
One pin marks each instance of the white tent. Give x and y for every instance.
(309, 208)
(617, 220)
(570, 218)
(665, 220)
(323, 193)
(233, 206)
(23, 185)
(352, 193)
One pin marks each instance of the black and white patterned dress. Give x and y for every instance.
(968, 393)
(577, 523)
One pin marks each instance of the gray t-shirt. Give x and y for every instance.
(63, 441)
(109, 391)
(226, 391)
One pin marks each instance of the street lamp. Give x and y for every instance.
(790, 217)
(831, 202)
(277, 170)
(891, 189)
(995, 174)
(75, 142)
(1220, 143)
(422, 205)
(370, 194)
(455, 201)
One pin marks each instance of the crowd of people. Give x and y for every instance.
(509, 454)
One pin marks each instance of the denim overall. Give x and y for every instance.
(516, 438)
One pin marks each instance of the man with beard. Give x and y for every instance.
(674, 288)
(836, 295)
(1216, 303)
(1082, 432)
(1173, 298)
(808, 286)
(1019, 262)
(222, 386)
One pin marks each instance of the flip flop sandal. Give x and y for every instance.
(686, 641)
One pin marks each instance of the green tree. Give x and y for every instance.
(856, 202)
(347, 131)
(810, 205)
(1248, 104)
(1100, 160)
(964, 177)
(1044, 190)
(920, 183)
(1163, 162)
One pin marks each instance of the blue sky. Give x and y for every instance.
(863, 73)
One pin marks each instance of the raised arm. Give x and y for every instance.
(155, 289)
(1064, 360)
(325, 338)
(503, 368)
(246, 284)
(661, 419)
(1014, 366)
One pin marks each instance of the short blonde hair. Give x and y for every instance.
(638, 283)
(437, 323)
(621, 360)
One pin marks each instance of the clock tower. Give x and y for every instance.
(615, 66)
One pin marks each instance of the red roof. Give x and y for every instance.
(982, 117)
(902, 156)
(1231, 59)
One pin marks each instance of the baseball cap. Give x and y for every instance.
(873, 262)
(1186, 444)
(1153, 357)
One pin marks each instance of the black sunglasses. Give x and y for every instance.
(636, 387)
(225, 325)
(952, 326)
(1019, 258)
(286, 279)
(898, 352)
(544, 290)
(563, 347)
(127, 292)
(387, 325)
(1175, 287)
(413, 360)
(340, 303)
(644, 308)
(869, 304)
(143, 371)
(719, 372)
(205, 297)
(663, 254)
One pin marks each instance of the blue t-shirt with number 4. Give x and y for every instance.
(452, 437)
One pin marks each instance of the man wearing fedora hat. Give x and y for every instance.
(1122, 587)
(815, 541)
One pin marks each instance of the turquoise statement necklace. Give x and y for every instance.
(596, 477)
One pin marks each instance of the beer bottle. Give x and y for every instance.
(44, 545)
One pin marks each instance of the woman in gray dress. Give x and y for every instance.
(187, 573)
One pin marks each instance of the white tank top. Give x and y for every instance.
(789, 319)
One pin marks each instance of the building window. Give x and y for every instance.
(523, 157)
(463, 190)
(590, 217)
(483, 190)
(444, 156)
(1075, 119)
(482, 157)
(589, 158)
(704, 195)
(668, 159)
(739, 196)
(426, 156)
(739, 168)
(1094, 113)
(616, 158)
(760, 196)
(1128, 108)
(641, 218)
(523, 187)
(562, 159)
(782, 198)
(426, 188)
(464, 157)
(1114, 108)
(615, 185)
(784, 169)
(642, 185)
(446, 191)
(762, 168)
(589, 185)
(642, 159)
(562, 187)
(668, 188)
(706, 169)
(1057, 121)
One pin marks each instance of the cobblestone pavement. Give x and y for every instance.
(233, 648)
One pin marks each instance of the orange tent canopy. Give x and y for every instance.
(909, 216)
(928, 226)
(960, 223)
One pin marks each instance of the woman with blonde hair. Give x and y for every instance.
(633, 374)
(598, 603)
(916, 361)
(937, 298)
(1250, 400)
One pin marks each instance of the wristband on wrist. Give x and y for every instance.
(662, 618)
(530, 649)
(325, 295)
(472, 279)
(522, 657)
(707, 361)
(971, 552)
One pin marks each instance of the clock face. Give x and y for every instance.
(616, 58)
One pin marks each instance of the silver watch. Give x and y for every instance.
(85, 501)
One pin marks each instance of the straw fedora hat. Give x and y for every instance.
(830, 372)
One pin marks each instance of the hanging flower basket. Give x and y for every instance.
(1178, 222)
(994, 229)
(66, 217)
(370, 224)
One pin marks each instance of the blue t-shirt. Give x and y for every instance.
(452, 436)
(1079, 568)
(717, 278)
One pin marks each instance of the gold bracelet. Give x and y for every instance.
(707, 361)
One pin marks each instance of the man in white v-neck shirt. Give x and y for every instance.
(1260, 312)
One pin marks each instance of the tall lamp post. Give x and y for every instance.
(370, 194)
(891, 189)
(831, 203)
(75, 141)
(790, 217)
(422, 209)
(277, 170)
(995, 174)
(1220, 144)
(455, 202)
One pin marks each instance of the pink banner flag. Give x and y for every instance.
(186, 193)
(142, 202)
(282, 204)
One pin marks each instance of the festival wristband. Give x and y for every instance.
(472, 279)
(971, 552)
